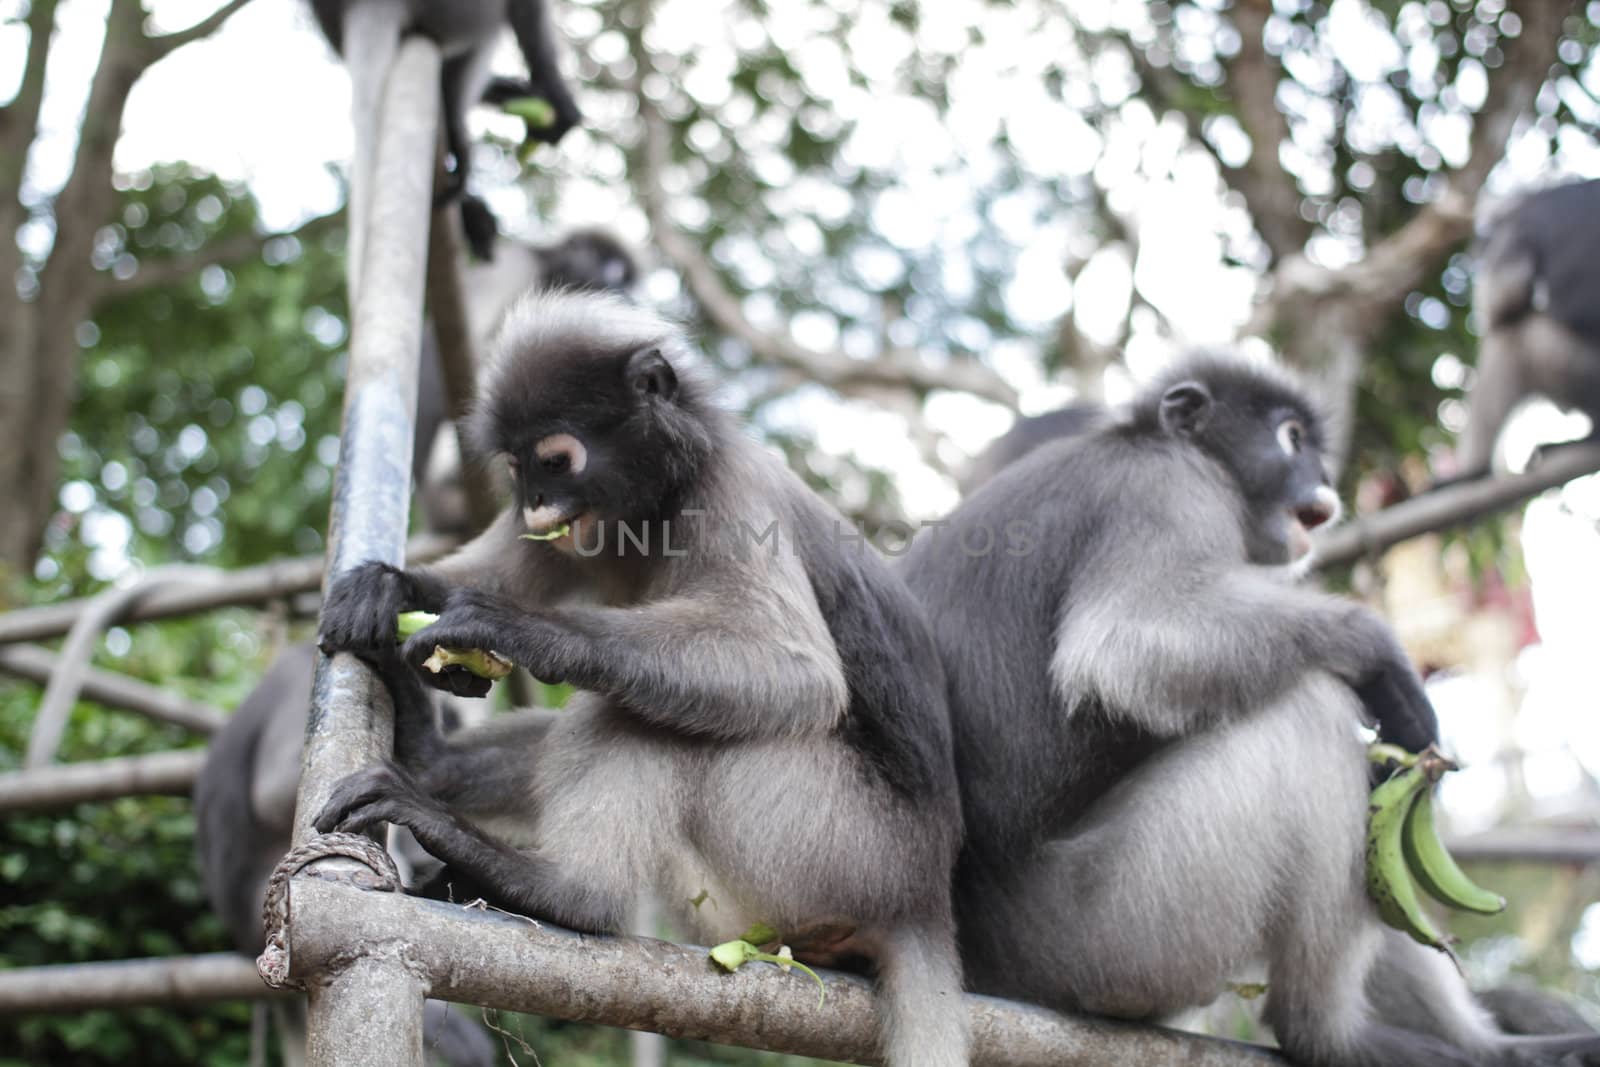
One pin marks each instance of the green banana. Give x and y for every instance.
(1389, 881)
(1435, 869)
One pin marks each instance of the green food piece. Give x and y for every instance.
(696, 901)
(483, 663)
(536, 111)
(1382, 752)
(731, 955)
(559, 531)
(1248, 990)
(412, 621)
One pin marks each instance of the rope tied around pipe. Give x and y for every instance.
(273, 963)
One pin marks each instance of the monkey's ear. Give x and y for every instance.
(1185, 408)
(649, 373)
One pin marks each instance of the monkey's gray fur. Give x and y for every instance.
(1156, 731)
(1536, 305)
(761, 722)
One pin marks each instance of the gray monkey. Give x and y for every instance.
(1155, 736)
(761, 713)
(1535, 296)
(367, 34)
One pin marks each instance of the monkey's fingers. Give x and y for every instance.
(1396, 701)
(458, 681)
(359, 612)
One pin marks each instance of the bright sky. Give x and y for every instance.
(263, 101)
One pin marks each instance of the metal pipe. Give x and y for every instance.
(351, 722)
(366, 999)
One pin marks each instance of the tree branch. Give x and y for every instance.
(895, 369)
(19, 119)
(159, 45)
(1270, 192)
(62, 785)
(1398, 263)
(1453, 505)
(169, 270)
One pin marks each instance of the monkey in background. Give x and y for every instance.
(1155, 734)
(1537, 296)
(586, 259)
(765, 722)
(367, 33)
(1027, 434)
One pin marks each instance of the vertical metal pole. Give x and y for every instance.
(351, 724)
(369, 1011)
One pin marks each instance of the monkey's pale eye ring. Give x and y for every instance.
(1291, 437)
(562, 452)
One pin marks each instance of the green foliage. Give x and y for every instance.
(207, 416)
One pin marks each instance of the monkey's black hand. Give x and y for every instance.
(381, 793)
(1396, 701)
(361, 611)
(472, 618)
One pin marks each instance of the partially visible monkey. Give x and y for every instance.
(760, 720)
(244, 815)
(1536, 305)
(367, 34)
(1156, 729)
(1027, 434)
(586, 259)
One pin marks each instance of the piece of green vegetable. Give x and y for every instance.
(731, 955)
(558, 532)
(536, 111)
(412, 621)
(479, 661)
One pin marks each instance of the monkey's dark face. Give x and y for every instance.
(591, 437)
(1270, 442)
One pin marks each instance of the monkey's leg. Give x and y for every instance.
(824, 856)
(1499, 386)
(1416, 987)
(462, 80)
(1243, 843)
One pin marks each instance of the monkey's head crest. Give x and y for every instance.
(599, 410)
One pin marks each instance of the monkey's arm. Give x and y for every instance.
(1175, 657)
(729, 667)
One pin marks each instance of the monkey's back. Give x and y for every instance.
(995, 616)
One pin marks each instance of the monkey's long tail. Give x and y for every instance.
(923, 1019)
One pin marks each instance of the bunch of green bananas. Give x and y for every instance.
(1404, 849)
